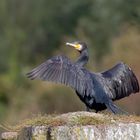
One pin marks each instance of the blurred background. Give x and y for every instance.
(32, 31)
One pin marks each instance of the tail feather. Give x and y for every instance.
(115, 109)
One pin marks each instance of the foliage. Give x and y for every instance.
(33, 30)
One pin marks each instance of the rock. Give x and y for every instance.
(9, 136)
(101, 132)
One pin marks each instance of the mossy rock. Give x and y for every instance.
(75, 126)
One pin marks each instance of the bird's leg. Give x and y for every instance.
(88, 109)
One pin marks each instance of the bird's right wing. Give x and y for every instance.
(59, 69)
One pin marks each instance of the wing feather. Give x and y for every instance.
(121, 81)
(59, 69)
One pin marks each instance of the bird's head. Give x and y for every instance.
(78, 45)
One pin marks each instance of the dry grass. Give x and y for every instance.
(76, 118)
(35, 121)
(127, 119)
(72, 119)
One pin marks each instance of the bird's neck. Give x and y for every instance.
(83, 58)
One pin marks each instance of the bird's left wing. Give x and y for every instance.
(120, 81)
(60, 69)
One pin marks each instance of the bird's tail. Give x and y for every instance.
(115, 109)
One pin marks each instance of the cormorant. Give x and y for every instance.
(96, 90)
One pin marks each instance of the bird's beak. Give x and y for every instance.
(75, 45)
(70, 44)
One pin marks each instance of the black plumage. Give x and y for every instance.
(96, 90)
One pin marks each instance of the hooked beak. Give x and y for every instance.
(70, 44)
(75, 45)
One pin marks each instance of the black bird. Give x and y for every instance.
(96, 90)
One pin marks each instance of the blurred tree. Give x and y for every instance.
(104, 21)
(38, 27)
(30, 30)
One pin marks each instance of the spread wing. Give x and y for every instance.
(59, 69)
(121, 81)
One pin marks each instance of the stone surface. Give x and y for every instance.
(9, 136)
(121, 131)
(105, 132)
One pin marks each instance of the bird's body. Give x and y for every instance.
(96, 90)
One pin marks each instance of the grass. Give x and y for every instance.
(72, 119)
(84, 120)
(35, 121)
(127, 119)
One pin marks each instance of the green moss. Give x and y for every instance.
(84, 120)
(71, 119)
(87, 120)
